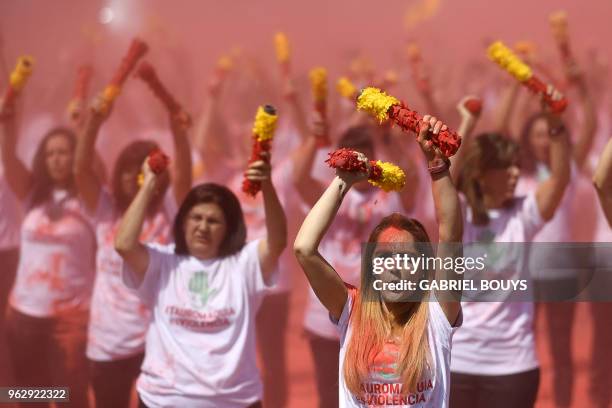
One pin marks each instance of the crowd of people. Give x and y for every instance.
(175, 281)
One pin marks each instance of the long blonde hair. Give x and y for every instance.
(370, 325)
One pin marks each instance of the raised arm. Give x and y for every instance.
(505, 109)
(127, 241)
(582, 147)
(295, 108)
(87, 182)
(18, 177)
(182, 175)
(324, 280)
(303, 158)
(204, 140)
(275, 242)
(550, 192)
(603, 181)
(448, 215)
(468, 123)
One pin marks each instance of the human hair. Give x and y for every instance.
(357, 138)
(42, 185)
(370, 326)
(528, 158)
(132, 156)
(235, 235)
(487, 151)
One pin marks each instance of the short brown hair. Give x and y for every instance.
(235, 236)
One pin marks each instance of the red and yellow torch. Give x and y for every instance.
(386, 176)
(526, 49)
(137, 49)
(559, 28)
(283, 52)
(415, 62)
(79, 95)
(224, 66)
(346, 88)
(318, 85)
(507, 60)
(17, 80)
(263, 133)
(147, 73)
(383, 107)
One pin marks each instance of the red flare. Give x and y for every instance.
(474, 105)
(348, 160)
(147, 73)
(138, 48)
(259, 147)
(537, 86)
(158, 161)
(83, 79)
(253, 187)
(447, 141)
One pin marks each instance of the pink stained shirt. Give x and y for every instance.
(57, 263)
(119, 319)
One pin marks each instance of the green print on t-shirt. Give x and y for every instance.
(198, 286)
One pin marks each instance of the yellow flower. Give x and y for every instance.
(393, 178)
(376, 103)
(110, 93)
(346, 88)
(281, 44)
(318, 82)
(506, 59)
(74, 106)
(264, 125)
(525, 47)
(22, 72)
(414, 51)
(558, 25)
(225, 63)
(391, 77)
(558, 19)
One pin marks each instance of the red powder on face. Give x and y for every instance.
(394, 234)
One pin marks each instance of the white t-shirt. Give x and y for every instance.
(359, 213)
(558, 229)
(497, 338)
(119, 319)
(57, 262)
(383, 388)
(255, 217)
(10, 220)
(200, 348)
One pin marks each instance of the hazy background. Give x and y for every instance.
(63, 33)
(186, 37)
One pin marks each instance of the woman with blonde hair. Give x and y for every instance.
(395, 345)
